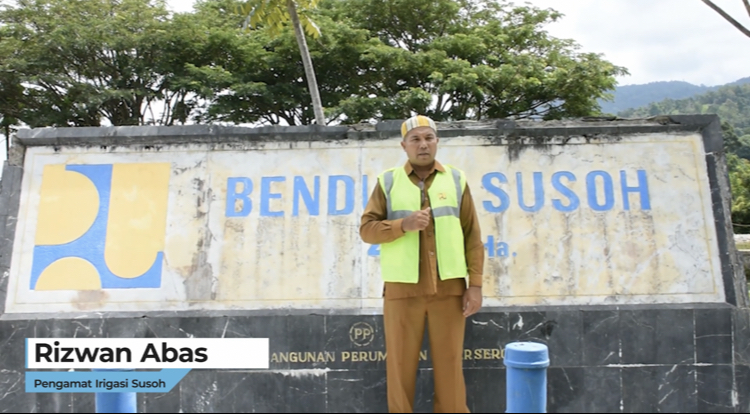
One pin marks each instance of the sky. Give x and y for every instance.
(659, 40)
(656, 40)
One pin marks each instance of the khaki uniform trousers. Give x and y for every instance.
(404, 324)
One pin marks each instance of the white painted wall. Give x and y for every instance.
(666, 253)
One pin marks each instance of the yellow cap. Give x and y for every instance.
(417, 121)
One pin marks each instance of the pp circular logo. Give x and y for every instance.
(361, 334)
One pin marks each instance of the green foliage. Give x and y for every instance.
(739, 179)
(738, 164)
(11, 103)
(732, 143)
(88, 62)
(84, 60)
(475, 59)
(731, 103)
(261, 79)
(273, 14)
(635, 96)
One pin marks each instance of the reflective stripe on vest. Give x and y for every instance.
(399, 259)
(438, 212)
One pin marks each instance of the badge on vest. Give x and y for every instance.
(442, 196)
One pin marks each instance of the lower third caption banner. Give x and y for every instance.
(111, 364)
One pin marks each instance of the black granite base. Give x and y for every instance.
(608, 359)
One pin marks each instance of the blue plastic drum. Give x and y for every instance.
(526, 377)
(116, 402)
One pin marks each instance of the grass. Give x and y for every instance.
(743, 246)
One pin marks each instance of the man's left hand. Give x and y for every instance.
(472, 300)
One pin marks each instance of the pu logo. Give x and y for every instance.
(100, 227)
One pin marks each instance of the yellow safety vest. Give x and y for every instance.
(399, 259)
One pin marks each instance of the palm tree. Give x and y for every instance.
(273, 14)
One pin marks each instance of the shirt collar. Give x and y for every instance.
(438, 166)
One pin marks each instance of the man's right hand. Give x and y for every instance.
(417, 221)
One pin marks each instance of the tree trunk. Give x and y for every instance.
(312, 83)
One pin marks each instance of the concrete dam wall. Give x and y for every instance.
(608, 240)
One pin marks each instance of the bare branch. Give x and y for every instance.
(729, 18)
(747, 6)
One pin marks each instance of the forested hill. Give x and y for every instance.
(635, 96)
(731, 103)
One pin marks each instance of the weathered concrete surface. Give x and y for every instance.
(570, 213)
(745, 258)
(10, 195)
(651, 306)
(615, 359)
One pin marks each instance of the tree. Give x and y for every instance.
(7, 123)
(466, 65)
(739, 180)
(84, 63)
(729, 18)
(732, 143)
(260, 79)
(475, 59)
(199, 51)
(272, 14)
(731, 103)
(87, 62)
(11, 104)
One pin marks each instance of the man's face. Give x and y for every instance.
(420, 145)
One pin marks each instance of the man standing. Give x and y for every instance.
(431, 259)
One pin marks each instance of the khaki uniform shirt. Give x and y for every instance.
(376, 229)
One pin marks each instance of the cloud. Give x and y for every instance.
(658, 40)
